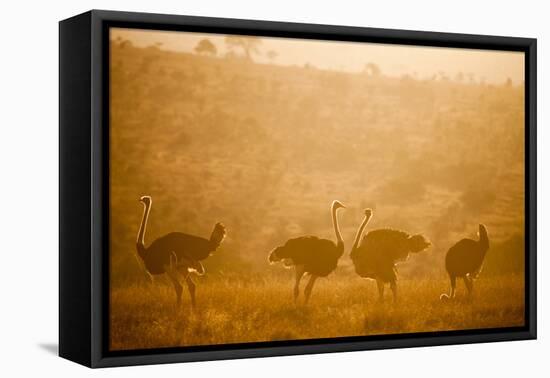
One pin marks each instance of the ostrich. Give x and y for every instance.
(310, 254)
(465, 259)
(176, 253)
(380, 251)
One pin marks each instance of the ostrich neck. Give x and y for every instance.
(359, 233)
(483, 239)
(339, 239)
(143, 226)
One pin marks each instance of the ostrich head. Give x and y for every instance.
(337, 205)
(368, 213)
(483, 236)
(146, 200)
(218, 234)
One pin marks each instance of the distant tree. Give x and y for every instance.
(459, 77)
(509, 82)
(372, 69)
(126, 44)
(272, 55)
(205, 47)
(155, 46)
(249, 45)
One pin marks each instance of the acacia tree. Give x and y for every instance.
(206, 47)
(249, 45)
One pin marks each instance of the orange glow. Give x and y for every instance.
(263, 134)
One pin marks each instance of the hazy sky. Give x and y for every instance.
(394, 60)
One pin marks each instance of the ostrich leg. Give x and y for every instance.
(191, 286)
(309, 287)
(469, 284)
(299, 274)
(150, 278)
(183, 267)
(393, 287)
(144, 268)
(380, 285)
(173, 275)
(453, 287)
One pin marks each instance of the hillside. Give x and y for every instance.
(265, 149)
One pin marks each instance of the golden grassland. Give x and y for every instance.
(236, 310)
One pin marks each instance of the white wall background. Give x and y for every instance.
(29, 189)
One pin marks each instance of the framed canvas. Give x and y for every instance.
(236, 188)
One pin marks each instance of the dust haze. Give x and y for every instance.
(263, 134)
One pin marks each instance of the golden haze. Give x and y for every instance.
(265, 147)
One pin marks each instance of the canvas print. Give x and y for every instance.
(276, 189)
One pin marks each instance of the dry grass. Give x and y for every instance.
(236, 311)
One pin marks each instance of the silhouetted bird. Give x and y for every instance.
(176, 253)
(465, 259)
(310, 254)
(380, 251)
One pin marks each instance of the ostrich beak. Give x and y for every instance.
(338, 204)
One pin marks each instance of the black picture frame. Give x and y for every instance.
(84, 194)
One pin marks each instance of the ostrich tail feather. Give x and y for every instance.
(273, 256)
(418, 243)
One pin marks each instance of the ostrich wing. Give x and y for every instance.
(185, 246)
(306, 249)
(318, 256)
(391, 245)
(464, 257)
(380, 250)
